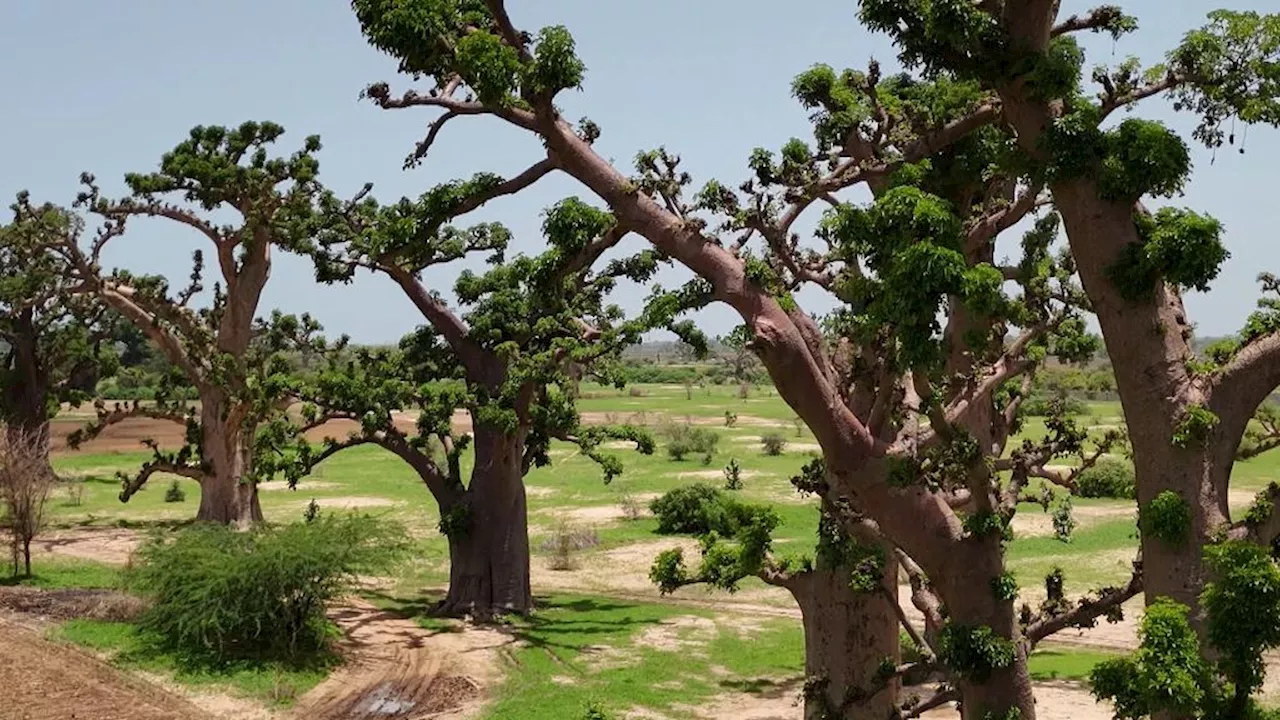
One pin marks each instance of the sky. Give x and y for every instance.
(108, 86)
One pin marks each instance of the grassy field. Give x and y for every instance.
(593, 636)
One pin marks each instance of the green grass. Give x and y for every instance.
(52, 572)
(274, 684)
(581, 649)
(1062, 664)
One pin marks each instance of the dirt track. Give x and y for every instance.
(48, 681)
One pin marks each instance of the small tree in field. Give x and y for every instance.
(25, 483)
(235, 359)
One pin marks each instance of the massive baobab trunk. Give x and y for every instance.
(228, 492)
(848, 636)
(489, 534)
(26, 398)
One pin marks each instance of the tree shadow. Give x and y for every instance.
(764, 687)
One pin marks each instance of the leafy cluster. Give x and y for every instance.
(1181, 247)
(973, 652)
(1167, 517)
(1170, 672)
(440, 39)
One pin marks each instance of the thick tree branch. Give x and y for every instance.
(1247, 380)
(1106, 603)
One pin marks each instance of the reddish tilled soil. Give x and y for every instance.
(48, 681)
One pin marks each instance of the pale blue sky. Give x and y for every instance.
(108, 85)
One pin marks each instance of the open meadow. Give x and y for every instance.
(601, 632)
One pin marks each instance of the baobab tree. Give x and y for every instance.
(1186, 415)
(231, 356)
(56, 345)
(916, 244)
(509, 352)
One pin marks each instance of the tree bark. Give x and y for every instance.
(489, 554)
(847, 636)
(968, 591)
(26, 401)
(228, 494)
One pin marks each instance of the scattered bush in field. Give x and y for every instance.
(684, 439)
(25, 483)
(688, 389)
(744, 391)
(564, 543)
(799, 425)
(636, 392)
(595, 711)
(630, 506)
(1109, 478)
(311, 512)
(733, 475)
(75, 491)
(699, 508)
(1040, 405)
(730, 418)
(175, 494)
(218, 594)
(774, 443)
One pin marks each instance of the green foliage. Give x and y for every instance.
(1143, 157)
(733, 475)
(699, 509)
(1169, 671)
(1005, 587)
(984, 523)
(973, 652)
(1233, 68)
(1043, 405)
(1056, 73)
(594, 711)
(222, 594)
(1167, 518)
(1194, 428)
(773, 443)
(1180, 246)
(1243, 608)
(684, 439)
(174, 494)
(1108, 478)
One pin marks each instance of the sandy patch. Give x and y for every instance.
(718, 475)
(351, 502)
(107, 545)
(303, 484)
(535, 491)
(683, 634)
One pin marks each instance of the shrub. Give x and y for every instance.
(565, 541)
(1040, 405)
(218, 594)
(744, 391)
(684, 439)
(774, 443)
(1109, 478)
(733, 475)
(25, 483)
(699, 509)
(730, 418)
(630, 506)
(175, 494)
(636, 392)
(75, 491)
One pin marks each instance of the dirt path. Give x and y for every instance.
(396, 670)
(48, 681)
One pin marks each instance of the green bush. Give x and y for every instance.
(774, 443)
(684, 439)
(1040, 405)
(175, 493)
(1109, 478)
(699, 509)
(219, 594)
